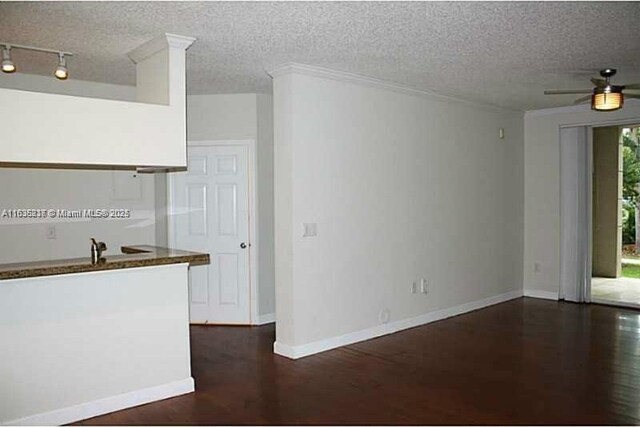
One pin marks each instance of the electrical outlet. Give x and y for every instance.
(424, 287)
(414, 288)
(384, 316)
(51, 232)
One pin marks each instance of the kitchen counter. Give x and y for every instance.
(132, 257)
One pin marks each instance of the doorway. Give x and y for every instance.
(616, 199)
(210, 210)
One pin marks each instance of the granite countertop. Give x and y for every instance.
(132, 257)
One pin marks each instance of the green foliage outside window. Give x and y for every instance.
(630, 183)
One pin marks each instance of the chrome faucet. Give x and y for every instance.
(96, 250)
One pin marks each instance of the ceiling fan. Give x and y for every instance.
(604, 96)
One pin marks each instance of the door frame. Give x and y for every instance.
(587, 244)
(252, 176)
(619, 124)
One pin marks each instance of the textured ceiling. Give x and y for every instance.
(500, 53)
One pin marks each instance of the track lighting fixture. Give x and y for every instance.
(8, 66)
(61, 72)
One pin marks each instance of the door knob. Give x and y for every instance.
(243, 245)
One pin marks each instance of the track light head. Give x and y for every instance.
(7, 64)
(61, 73)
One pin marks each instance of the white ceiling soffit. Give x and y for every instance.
(499, 53)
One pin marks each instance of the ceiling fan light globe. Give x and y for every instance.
(607, 101)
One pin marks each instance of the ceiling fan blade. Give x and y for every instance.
(632, 86)
(566, 92)
(598, 82)
(632, 95)
(583, 99)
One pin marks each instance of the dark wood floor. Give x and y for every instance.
(526, 361)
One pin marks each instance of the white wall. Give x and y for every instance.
(542, 186)
(232, 116)
(266, 249)
(25, 240)
(162, 223)
(402, 186)
(244, 116)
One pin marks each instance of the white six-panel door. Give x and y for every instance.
(210, 213)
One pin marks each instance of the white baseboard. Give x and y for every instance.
(535, 293)
(263, 319)
(106, 405)
(298, 351)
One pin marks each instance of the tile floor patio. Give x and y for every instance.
(621, 290)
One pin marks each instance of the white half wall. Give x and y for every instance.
(402, 185)
(542, 186)
(59, 129)
(49, 84)
(75, 346)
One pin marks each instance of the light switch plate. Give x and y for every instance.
(309, 229)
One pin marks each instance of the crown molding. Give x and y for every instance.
(155, 45)
(343, 76)
(557, 110)
(582, 108)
